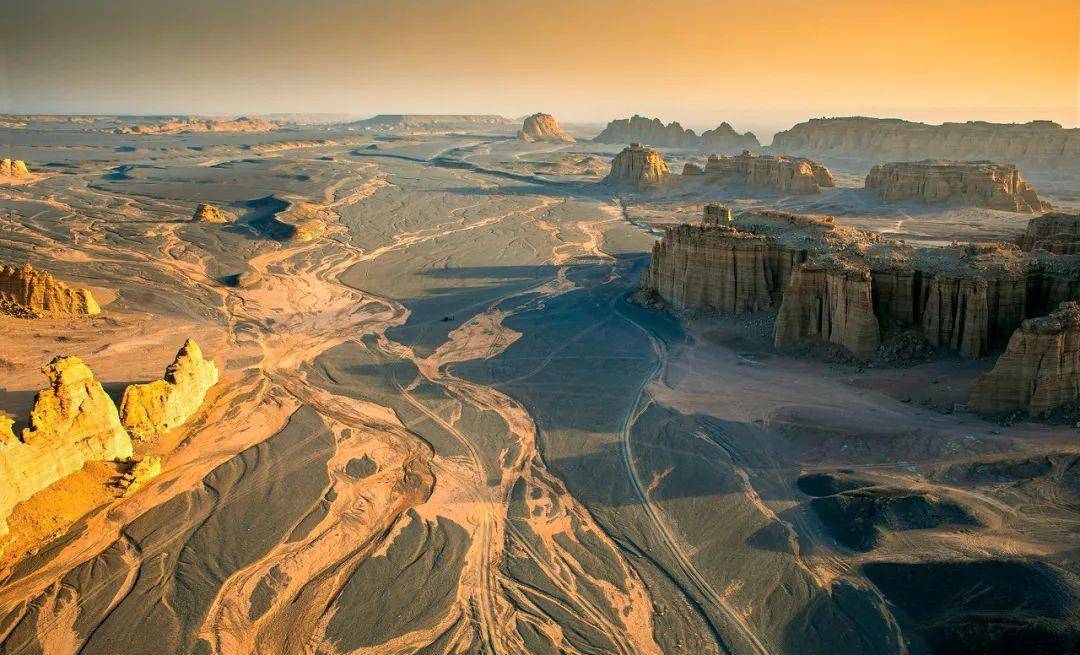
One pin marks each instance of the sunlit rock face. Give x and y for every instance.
(1040, 369)
(1055, 232)
(639, 166)
(73, 422)
(544, 128)
(13, 168)
(27, 292)
(1037, 145)
(793, 175)
(977, 183)
(149, 410)
(207, 213)
(639, 129)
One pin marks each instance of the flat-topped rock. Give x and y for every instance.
(639, 166)
(793, 175)
(639, 129)
(976, 183)
(1056, 232)
(30, 293)
(150, 410)
(543, 128)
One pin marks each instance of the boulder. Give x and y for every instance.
(150, 410)
(639, 166)
(27, 292)
(543, 127)
(975, 183)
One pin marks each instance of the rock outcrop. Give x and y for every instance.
(792, 175)
(207, 213)
(139, 474)
(13, 168)
(978, 183)
(543, 127)
(639, 129)
(29, 293)
(638, 166)
(1040, 369)
(73, 422)
(152, 409)
(1039, 145)
(182, 125)
(1054, 232)
(432, 123)
(851, 288)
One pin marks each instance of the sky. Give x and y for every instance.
(753, 64)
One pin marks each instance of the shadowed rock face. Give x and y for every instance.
(829, 301)
(1039, 371)
(639, 129)
(978, 183)
(637, 165)
(543, 127)
(1038, 144)
(27, 292)
(1056, 232)
(149, 410)
(206, 213)
(13, 168)
(781, 174)
(73, 422)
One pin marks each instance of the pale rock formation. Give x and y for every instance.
(207, 213)
(639, 129)
(139, 474)
(182, 125)
(776, 173)
(1041, 145)
(640, 166)
(978, 183)
(27, 292)
(13, 168)
(1040, 369)
(543, 127)
(73, 422)
(152, 409)
(1055, 232)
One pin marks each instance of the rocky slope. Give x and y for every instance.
(1055, 232)
(850, 288)
(978, 183)
(1040, 369)
(792, 175)
(1038, 145)
(185, 125)
(544, 128)
(27, 292)
(207, 213)
(652, 131)
(638, 166)
(73, 422)
(149, 410)
(13, 168)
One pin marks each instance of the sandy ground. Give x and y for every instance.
(442, 427)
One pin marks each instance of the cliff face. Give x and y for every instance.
(829, 301)
(149, 410)
(637, 165)
(207, 213)
(1038, 145)
(979, 183)
(29, 293)
(781, 174)
(185, 125)
(1039, 371)
(543, 127)
(73, 422)
(1055, 232)
(639, 129)
(13, 168)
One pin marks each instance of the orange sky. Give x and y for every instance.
(591, 60)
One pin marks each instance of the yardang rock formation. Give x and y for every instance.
(544, 128)
(1055, 232)
(13, 168)
(639, 129)
(638, 165)
(29, 293)
(207, 213)
(793, 175)
(149, 410)
(979, 183)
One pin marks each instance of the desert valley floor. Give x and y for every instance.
(443, 425)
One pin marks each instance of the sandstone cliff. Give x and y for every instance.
(978, 183)
(207, 213)
(543, 127)
(1036, 145)
(1055, 232)
(1039, 371)
(638, 166)
(781, 174)
(149, 410)
(73, 422)
(829, 300)
(639, 129)
(13, 168)
(27, 292)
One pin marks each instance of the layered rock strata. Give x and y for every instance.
(1054, 232)
(1040, 369)
(190, 124)
(207, 213)
(73, 422)
(150, 410)
(638, 166)
(27, 292)
(1038, 145)
(978, 183)
(848, 287)
(13, 168)
(543, 128)
(780, 174)
(639, 129)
